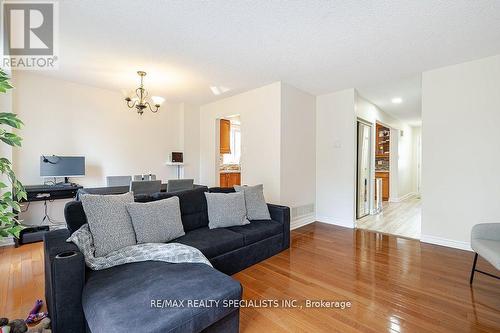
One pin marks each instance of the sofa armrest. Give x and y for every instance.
(281, 214)
(64, 280)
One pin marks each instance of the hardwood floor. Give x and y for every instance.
(21, 279)
(394, 285)
(397, 218)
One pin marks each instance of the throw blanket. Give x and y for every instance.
(171, 252)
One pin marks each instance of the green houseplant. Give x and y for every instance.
(11, 188)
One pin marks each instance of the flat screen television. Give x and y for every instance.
(62, 166)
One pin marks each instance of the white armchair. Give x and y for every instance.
(485, 241)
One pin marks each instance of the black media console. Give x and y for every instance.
(44, 193)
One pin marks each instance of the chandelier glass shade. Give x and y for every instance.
(140, 100)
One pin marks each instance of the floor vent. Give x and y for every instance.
(303, 210)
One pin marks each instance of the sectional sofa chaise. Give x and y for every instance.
(132, 297)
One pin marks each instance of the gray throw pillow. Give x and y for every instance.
(255, 202)
(156, 221)
(109, 221)
(226, 210)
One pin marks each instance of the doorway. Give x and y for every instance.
(395, 205)
(363, 188)
(228, 163)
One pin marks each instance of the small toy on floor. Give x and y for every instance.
(19, 326)
(35, 316)
(35, 309)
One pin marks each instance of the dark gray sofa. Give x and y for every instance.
(120, 299)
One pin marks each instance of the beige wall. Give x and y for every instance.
(460, 174)
(298, 153)
(278, 144)
(335, 158)
(65, 118)
(192, 142)
(260, 111)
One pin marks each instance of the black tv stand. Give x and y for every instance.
(33, 234)
(51, 192)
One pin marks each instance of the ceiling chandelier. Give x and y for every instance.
(140, 100)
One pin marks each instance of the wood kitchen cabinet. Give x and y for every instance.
(229, 179)
(225, 136)
(385, 184)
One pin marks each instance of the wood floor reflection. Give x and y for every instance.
(394, 284)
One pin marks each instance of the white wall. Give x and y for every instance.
(260, 112)
(461, 154)
(406, 163)
(371, 113)
(192, 142)
(335, 157)
(65, 118)
(298, 153)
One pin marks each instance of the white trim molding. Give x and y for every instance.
(404, 197)
(336, 221)
(302, 221)
(461, 245)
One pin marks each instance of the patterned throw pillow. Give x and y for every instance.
(226, 210)
(255, 202)
(156, 221)
(109, 221)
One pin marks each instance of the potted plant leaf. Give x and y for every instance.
(12, 191)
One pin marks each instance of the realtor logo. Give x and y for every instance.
(29, 32)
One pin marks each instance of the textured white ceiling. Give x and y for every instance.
(318, 46)
(408, 89)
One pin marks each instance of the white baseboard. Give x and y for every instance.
(404, 197)
(446, 242)
(302, 221)
(336, 221)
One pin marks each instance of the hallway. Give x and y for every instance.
(397, 218)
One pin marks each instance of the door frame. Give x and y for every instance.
(371, 159)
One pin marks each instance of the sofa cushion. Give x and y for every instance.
(193, 206)
(255, 202)
(124, 298)
(109, 221)
(212, 242)
(156, 221)
(258, 230)
(226, 210)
